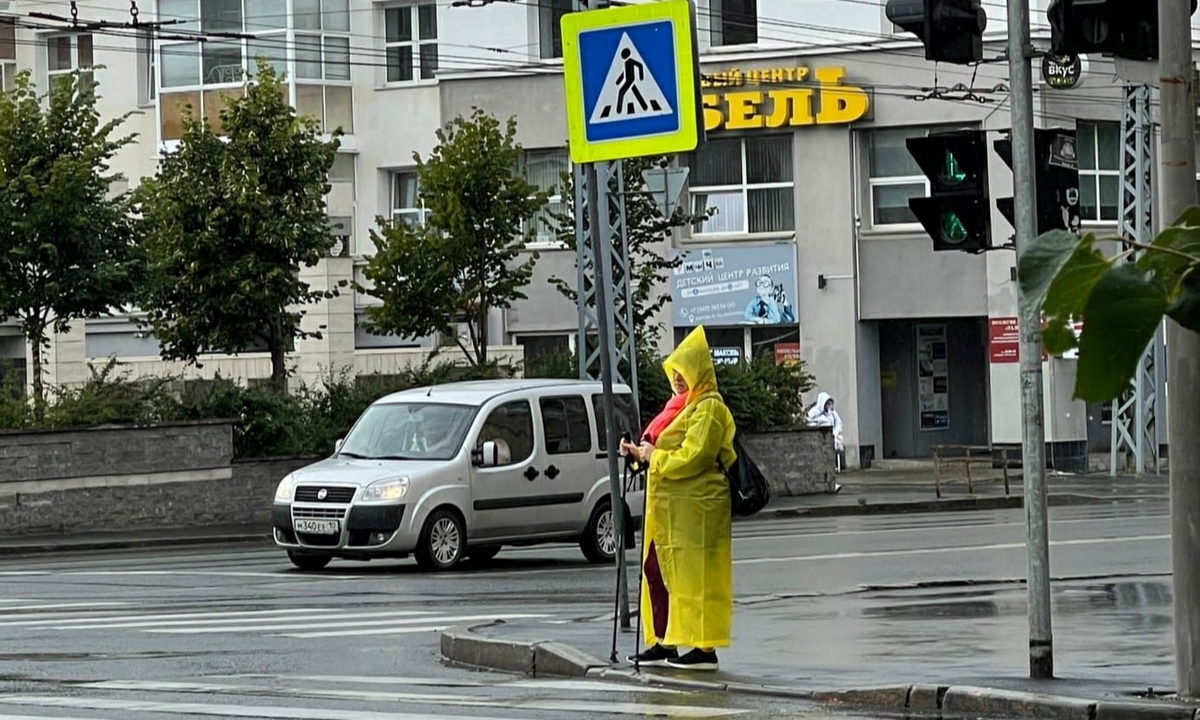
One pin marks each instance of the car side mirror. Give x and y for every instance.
(337, 445)
(488, 455)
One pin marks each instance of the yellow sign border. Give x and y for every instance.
(685, 139)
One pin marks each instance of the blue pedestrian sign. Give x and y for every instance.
(630, 81)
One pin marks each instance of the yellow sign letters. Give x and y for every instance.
(827, 102)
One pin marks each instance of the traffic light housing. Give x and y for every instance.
(957, 214)
(952, 30)
(1125, 28)
(1057, 168)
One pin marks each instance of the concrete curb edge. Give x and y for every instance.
(462, 646)
(64, 545)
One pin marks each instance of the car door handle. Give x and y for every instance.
(551, 472)
(531, 474)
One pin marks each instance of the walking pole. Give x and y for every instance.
(614, 658)
(641, 574)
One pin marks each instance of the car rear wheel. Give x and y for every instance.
(308, 562)
(599, 543)
(443, 541)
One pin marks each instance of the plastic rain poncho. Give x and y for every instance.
(688, 514)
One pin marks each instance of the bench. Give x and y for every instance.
(966, 455)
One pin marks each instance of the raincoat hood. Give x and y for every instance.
(818, 409)
(694, 362)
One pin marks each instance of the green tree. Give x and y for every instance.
(467, 259)
(1120, 303)
(228, 223)
(648, 233)
(66, 243)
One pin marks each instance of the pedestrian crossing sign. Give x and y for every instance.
(630, 81)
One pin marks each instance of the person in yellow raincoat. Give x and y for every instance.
(687, 564)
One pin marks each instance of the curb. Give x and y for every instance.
(461, 646)
(54, 546)
(923, 506)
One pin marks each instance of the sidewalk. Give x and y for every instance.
(958, 651)
(867, 492)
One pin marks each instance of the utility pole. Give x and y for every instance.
(1033, 446)
(1177, 191)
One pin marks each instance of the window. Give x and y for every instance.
(545, 168)
(566, 425)
(894, 176)
(1099, 171)
(734, 22)
(411, 42)
(66, 54)
(146, 68)
(749, 183)
(550, 13)
(511, 427)
(323, 63)
(406, 199)
(623, 407)
(8, 54)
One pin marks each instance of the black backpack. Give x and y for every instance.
(748, 490)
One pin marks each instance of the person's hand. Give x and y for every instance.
(645, 450)
(628, 448)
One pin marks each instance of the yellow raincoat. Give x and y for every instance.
(688, 515)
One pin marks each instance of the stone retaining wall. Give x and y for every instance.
(795, 462)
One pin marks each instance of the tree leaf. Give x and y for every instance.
(1185, 309)
(1058, 337)
(1043, 259)
(1121, 317)
(1072, 286)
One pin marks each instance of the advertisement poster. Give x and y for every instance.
(787, 353)
(933, 376)
(1004, 340)
(726, 355)
(735, 285)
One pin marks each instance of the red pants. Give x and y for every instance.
(657, 589)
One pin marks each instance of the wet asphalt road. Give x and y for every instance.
(235, 632)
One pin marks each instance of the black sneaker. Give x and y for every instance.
(656, 656)
(695, 660)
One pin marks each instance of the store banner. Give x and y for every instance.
(933, 376)
(735, 285)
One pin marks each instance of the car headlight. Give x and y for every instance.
(386, 490)
(283, 493)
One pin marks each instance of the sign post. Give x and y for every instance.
(632, 90)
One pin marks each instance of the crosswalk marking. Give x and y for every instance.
(288, 622)
(534, 703)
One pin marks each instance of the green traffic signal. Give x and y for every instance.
(954, 232)
(952, 173)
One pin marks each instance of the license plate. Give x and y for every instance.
(317, 527)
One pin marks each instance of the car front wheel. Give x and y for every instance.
(307, 562)
(443, 541)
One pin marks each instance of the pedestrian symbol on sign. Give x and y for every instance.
(630, 90)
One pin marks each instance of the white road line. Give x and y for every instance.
(65, 606)
(75, 617)
(451, 620)
(943, 550)
(957, 527)
(581, 685)
(276, 575)
(136, 622)
(235, 711)
(374, 631)
(619, 708)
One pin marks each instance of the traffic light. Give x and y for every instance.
(1125, 28)
(952, 30)
(1057, 168)
(956, 214)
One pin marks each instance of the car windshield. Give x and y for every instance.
(408, 431)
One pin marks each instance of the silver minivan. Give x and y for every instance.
(458, 471)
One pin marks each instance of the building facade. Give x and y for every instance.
(812, 251)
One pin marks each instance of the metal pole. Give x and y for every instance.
(601, 227)
(1177, 192)
(1033, 454)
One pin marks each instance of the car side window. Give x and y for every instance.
(623, 406)
(510, 426)
(565, 425)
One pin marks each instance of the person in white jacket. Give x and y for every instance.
(823, 414)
